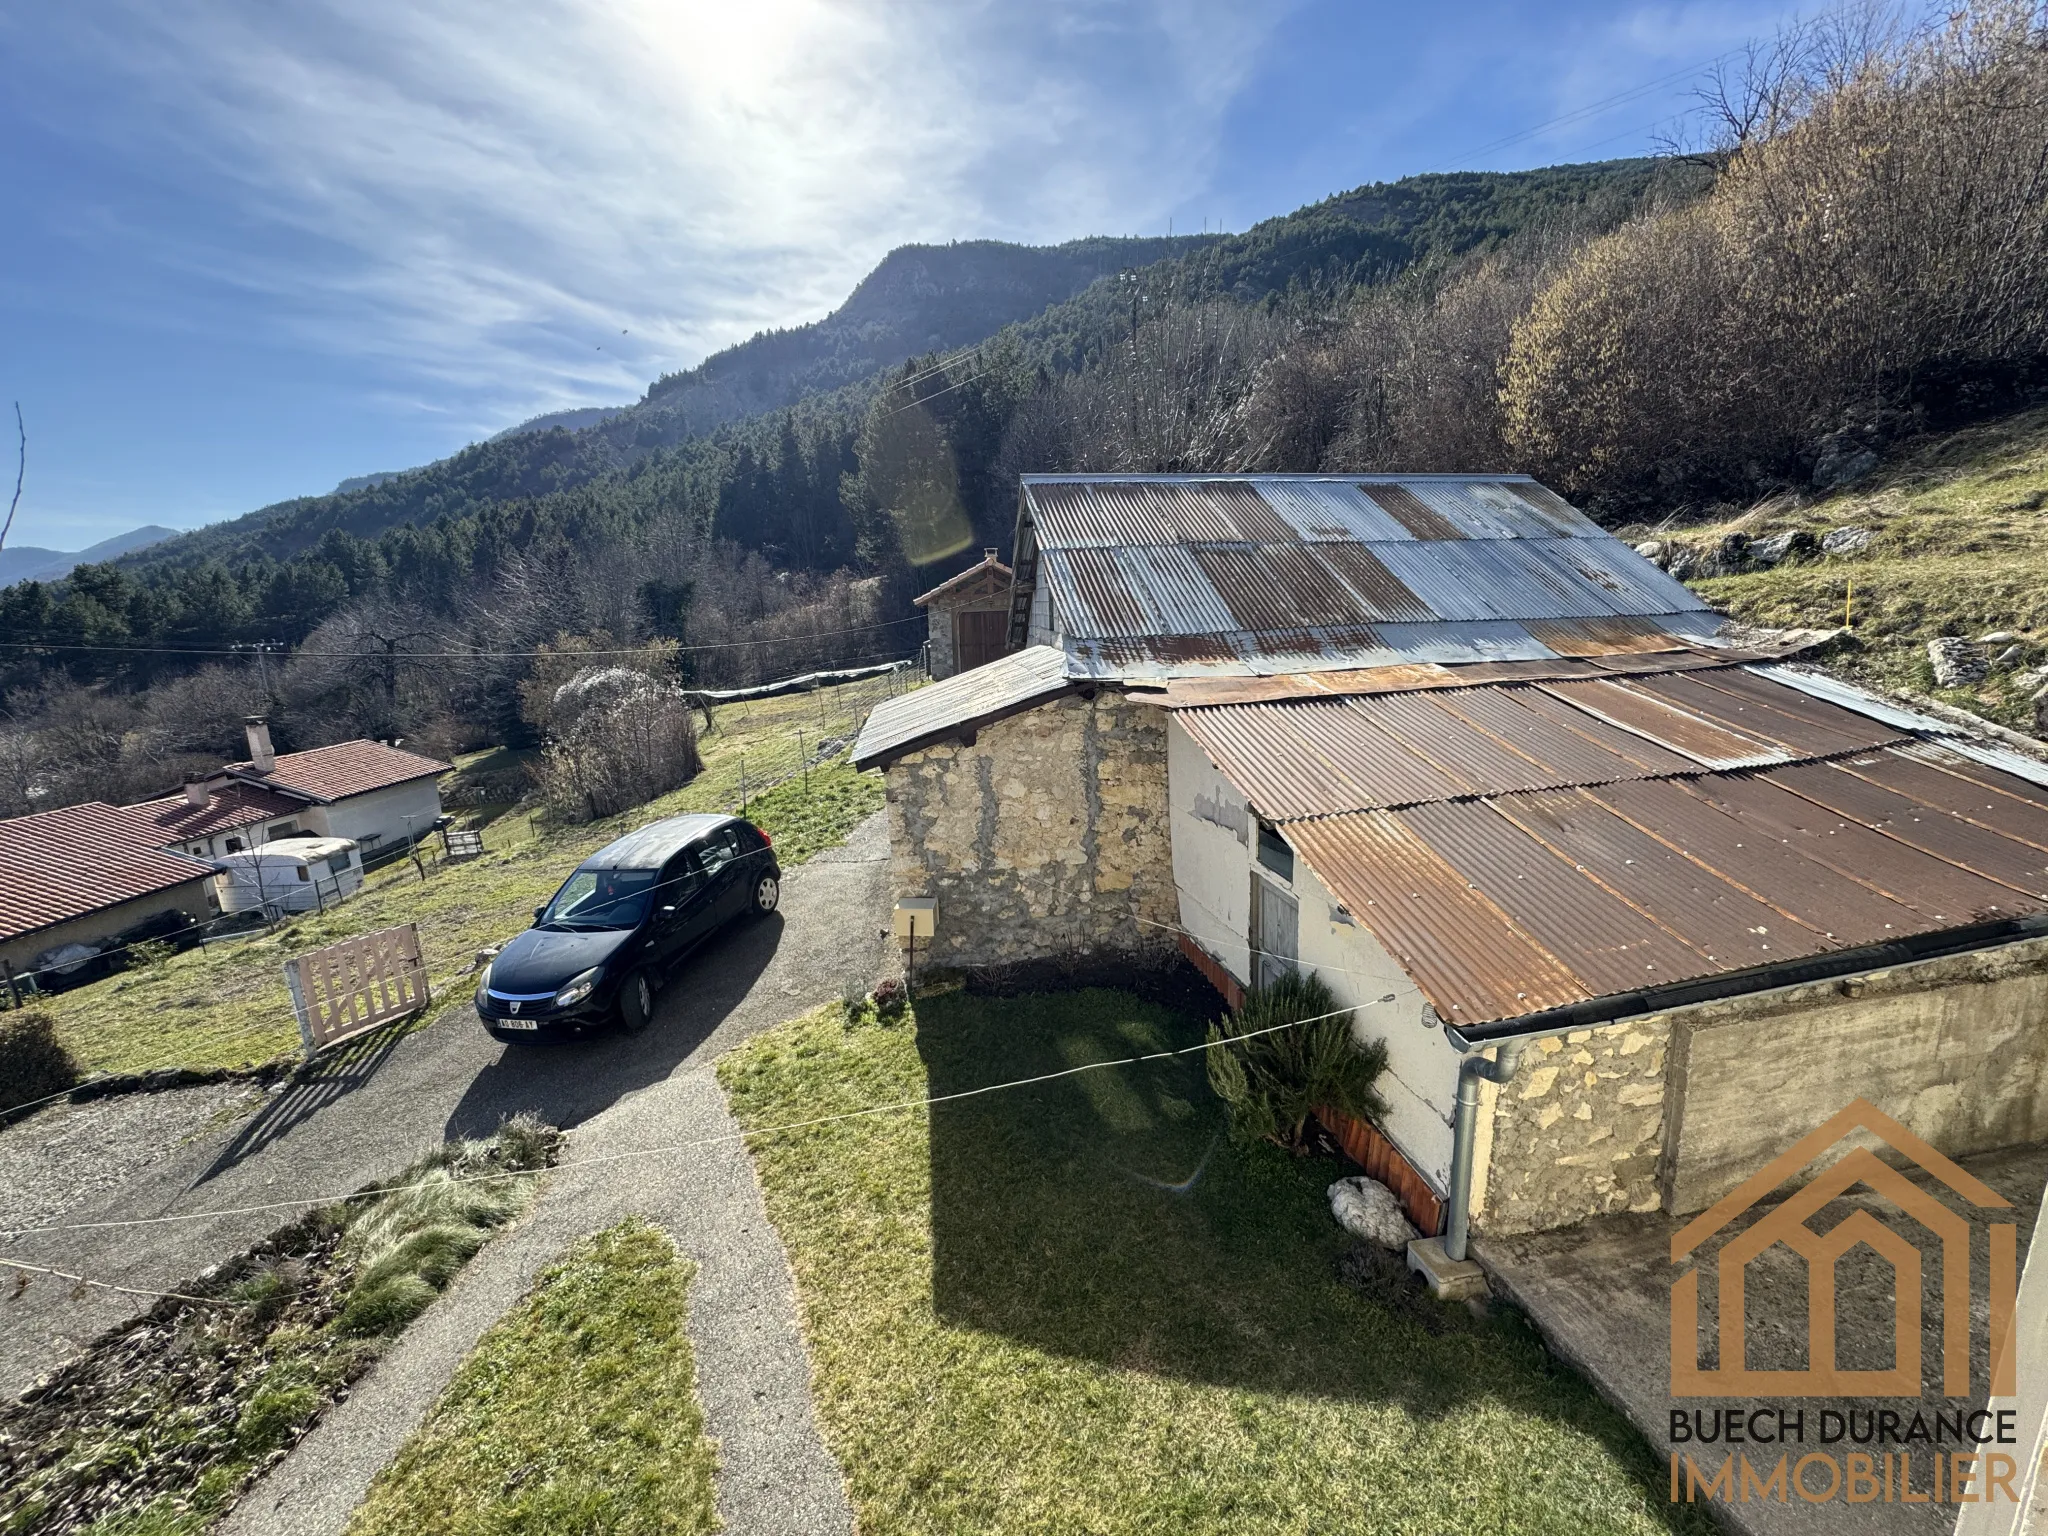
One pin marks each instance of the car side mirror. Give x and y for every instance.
(537, 911)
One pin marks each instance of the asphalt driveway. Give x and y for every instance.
(370, 1109)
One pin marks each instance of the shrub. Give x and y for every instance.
(33, 1061)
(620, 753)
(1272, 1081)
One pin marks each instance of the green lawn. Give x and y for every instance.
(577, 1412)
(1075, 1307)
(226, 1006)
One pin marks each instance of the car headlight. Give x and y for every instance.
(579, 988)
(483, 980)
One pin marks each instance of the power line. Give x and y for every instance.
(680, 1146)
(471, 655)
(1590, 109)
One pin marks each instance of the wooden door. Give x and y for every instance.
(1276, 926)
(979, 636)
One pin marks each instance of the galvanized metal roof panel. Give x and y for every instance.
(1858, 700)
(1007, 684)
(2004, 807)
(1329, 510)
(1609, 566)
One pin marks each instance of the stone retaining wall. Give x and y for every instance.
(1046, 837)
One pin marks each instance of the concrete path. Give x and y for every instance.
(1600, 1294)
(373, 1107)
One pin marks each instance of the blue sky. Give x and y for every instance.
(253, 248)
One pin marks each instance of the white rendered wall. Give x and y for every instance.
(1213, 867)
(380, 814)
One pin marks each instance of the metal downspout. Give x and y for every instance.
(1472, 1070)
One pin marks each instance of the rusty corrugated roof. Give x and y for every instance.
(1519, 846)
(1304, 572)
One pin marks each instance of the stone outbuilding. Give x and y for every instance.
(968, 617)
(1519, 798)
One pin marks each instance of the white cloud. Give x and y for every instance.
(483, 195)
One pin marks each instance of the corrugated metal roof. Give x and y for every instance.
(1522, 845)
(1316, 568)
(1003, 686)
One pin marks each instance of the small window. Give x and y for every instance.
(716, 850)
(234, 845)
(1274, 852)
(283, 829)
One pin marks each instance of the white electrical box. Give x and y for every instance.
(917, 917)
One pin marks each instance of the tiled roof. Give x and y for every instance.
(987, 566)
(344, 769)
(1523, 848)
(57, 865)
(228, 805)
(1177, 575)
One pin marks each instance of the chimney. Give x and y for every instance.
(195, 790)
(261, 757)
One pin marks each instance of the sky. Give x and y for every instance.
(249, 249)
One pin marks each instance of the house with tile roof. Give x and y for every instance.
(90, 875)
(377, 795)
(1631, 897)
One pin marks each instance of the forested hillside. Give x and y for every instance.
(1853, 262)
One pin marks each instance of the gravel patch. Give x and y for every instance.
(60, 1157)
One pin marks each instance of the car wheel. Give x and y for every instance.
(767, 894)
(636, 1003)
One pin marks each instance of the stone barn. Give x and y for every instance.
(968, 617)
(1632, 901)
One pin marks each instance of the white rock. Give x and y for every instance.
(1957, 663)
(2007, 657)
(1367, 1208)
(1997, 637)
(1847, 541)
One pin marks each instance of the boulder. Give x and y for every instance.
(1728, 556)
(1957, 663)
(1682, 563)
(1793, 544)
(1846, 541)
(1653, 550)
(1367, 1209)
(1840, 460)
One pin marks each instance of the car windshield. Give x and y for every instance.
(601, 898)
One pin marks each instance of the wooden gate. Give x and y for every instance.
(345, 989)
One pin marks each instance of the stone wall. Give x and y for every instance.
(1673, 1110)
(1046, 837)
(1579, 1131)
(989, 595)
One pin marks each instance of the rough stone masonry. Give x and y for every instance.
(1048, 836)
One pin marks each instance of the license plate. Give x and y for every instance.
(519, 1024)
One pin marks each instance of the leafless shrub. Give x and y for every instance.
(620, 754)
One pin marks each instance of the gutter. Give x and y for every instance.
(1512, 1035)
(1762, 978)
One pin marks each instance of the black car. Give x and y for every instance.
(602, 948)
